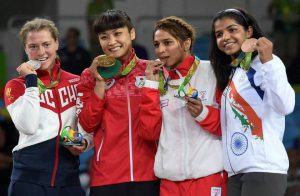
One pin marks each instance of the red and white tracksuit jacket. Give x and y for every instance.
(189, 148)
(39, 158)
(121, 155)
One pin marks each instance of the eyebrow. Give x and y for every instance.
(233, 25)
(112, 30)
(167, 39)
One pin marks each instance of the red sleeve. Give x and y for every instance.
(13, 90)
(150, 114)
(212, 122)
(89, 107)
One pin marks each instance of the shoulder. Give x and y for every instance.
(13, 89)
(205, 65)
(68, 74)
(87, 78)
(141, 64)
(71, 78)
(19, 81)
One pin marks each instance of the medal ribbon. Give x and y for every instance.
(42, 87)
(243, 60)
(128, 68)
(163, 83)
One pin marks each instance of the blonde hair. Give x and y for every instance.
(178, 28)
(38, 24)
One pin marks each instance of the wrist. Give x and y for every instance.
(85, 143)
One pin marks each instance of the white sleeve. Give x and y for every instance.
(280, 94)
(25, 111)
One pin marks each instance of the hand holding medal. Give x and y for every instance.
(249, 45)
(263, 46)
(244, 59)
(29, 67)
(108, 66)
(153, 70)
(35, 64)
(194, 106)
(73, 141)
(70, 137)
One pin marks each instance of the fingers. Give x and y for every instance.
(265, 49)
(152, 70)
(25, 69)
(155, 65)
(76, 150)
(93, 68)
(194, 106)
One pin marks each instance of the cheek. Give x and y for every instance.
(102, 44)
(156, 51)
(30, 54)
(219, 43)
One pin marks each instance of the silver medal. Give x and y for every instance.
(35, 64)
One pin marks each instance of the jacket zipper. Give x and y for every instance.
(57, 141)
(130, 131)
(225, 120)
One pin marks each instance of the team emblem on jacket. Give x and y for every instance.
(109, 83)
(216, 191)
(164, 103)
(202, 95)
(140, 81)
(239, 143)
(242, 77)
(8, 94)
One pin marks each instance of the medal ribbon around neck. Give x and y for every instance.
(128, 68)
(163, 83)
(243, 60)
(42, 87)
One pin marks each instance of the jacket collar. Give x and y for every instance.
(44, 75)
(182, 68)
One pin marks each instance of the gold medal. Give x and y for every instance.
(249, 45)
(106, 61)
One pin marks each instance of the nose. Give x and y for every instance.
(160, 49)
(225, 36)
(111, 40)
(41, 50)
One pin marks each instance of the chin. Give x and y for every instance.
(229, 53)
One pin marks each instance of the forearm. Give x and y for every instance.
(150, 121)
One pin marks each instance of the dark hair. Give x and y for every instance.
(178, 28)
(219, 60)
(112, 19)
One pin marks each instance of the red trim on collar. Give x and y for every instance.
(44, 75)
(131, 56)
(183, 67)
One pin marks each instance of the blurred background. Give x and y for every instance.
(280, 19)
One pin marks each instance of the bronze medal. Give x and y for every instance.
(106, 61)
(249, 45)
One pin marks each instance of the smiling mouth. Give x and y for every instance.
(115, 49)
(42, 59)
(228, 45)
